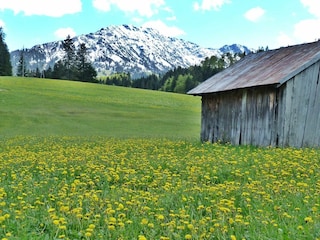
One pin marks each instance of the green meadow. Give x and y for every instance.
(83, 161)
(30, 106)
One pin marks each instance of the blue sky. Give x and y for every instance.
(209, 23)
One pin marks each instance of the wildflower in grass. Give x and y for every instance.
(56, 222)
(121, 224)
(88, 234)
(92, 226)
(188, 236)
(233, 237)
(63, 227)
(111, 227)
(141, 237)
(164, 238)
(308, 219)
(51, 210)
(300, 227)
(190, 226)
(144, 221)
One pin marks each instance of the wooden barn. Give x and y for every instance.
(269, 98)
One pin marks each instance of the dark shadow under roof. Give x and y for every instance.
(273, 67)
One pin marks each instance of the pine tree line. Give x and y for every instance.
(5, 63)
(76, 66)
(178, 80)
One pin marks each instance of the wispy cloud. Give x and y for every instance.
(284, 40)
(313, 6)
(170, 31)
(51, 8)
(303, 33)
(145, 8)
(62, 33)
(2, 24)
(207, 5)
(302, 30)
(254, 14)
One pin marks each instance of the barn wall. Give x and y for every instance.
(245, 116)
(299, 109)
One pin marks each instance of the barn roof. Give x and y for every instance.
(273, 67)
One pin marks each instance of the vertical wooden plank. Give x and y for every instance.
(312, 83)
(243, 119)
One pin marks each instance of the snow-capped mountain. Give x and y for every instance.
(235, 48)
(125, 48)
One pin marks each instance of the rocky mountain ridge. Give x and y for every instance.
(126, 48)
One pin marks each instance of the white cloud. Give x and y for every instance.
(2, 24)
(62, 33)
(307, 30)
(313, 6)
(146, 8)
(164, 29)
(52, 8)
(284, 40)
(209, 4)
(254, 14)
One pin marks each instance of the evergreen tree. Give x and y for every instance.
(85, 71)
(69, 59)
(5, 64)
(47, 73)
(22, 67)
(59, 70)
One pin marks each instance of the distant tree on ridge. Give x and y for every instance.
(5, 63)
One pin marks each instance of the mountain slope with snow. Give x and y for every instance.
(125, 48)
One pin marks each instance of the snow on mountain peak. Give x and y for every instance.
(126, 48)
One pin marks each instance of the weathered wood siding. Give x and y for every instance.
(299, 109)
(245, 116)
(266, 116)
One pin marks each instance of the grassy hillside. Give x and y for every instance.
(42, 107)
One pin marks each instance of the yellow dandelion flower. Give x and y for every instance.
(308, 219)
(88, 234)
(111, 227)
(92, 226)
(51, 210)
(144, 221)
(63, 227)
(188, 236)
(233, 237)
(56, 222)
(300, 227)
(190, 226)
(141, 237)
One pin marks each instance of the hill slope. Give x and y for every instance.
(52, 107)
(125, 48)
